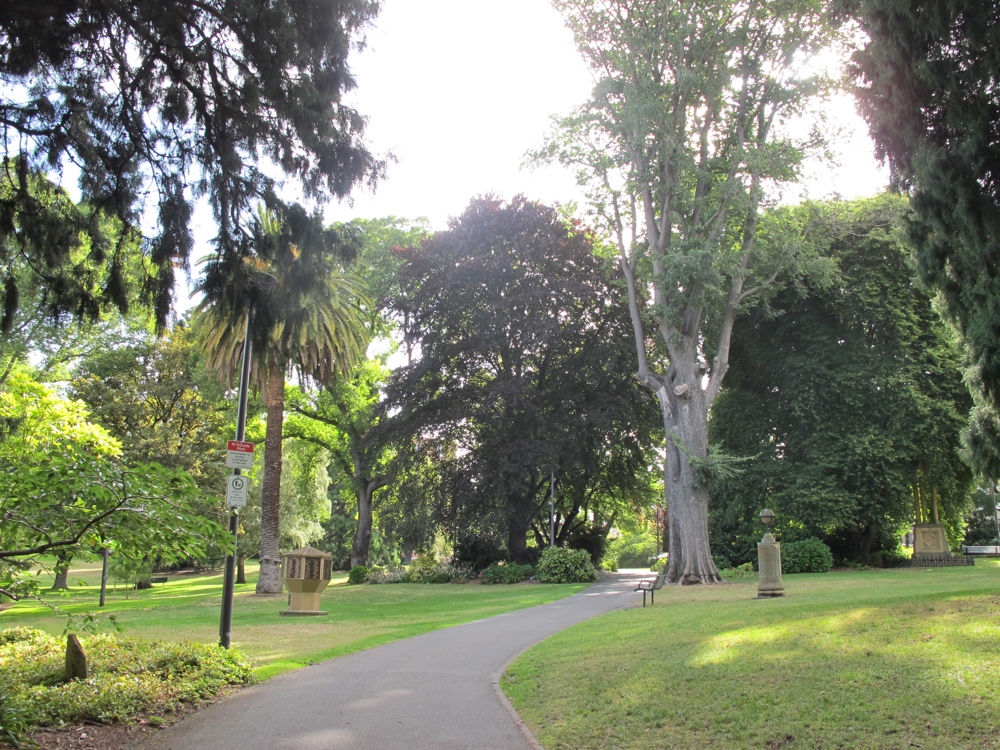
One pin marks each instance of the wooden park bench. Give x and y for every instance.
(981, 550)
(652, 586)
(158, 579)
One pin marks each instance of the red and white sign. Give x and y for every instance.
(239, 455)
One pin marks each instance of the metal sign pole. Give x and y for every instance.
(229, 580)
(552, 509)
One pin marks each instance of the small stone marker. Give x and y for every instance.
(76, 660)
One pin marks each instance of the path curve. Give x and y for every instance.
(436, 690)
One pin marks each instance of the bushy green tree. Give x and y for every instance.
(925, 80)
(159, 400)
(679, 146)
(525, 369)
(64, 492)
(846, 400)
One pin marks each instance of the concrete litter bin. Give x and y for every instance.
(305, 573)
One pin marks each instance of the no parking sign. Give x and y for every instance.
(236, 492)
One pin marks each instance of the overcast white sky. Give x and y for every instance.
(459, 90)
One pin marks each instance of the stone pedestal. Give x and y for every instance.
(929, 539)
(769, 565)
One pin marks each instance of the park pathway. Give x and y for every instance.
(437, 690)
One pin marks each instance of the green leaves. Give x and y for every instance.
(71, 498)
(847, 395)
(142, 104)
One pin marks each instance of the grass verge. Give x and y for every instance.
(874, 659)
(188, 607)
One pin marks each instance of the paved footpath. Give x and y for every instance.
(437, 690)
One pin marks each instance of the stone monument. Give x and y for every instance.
(305, 573)
(769, 560)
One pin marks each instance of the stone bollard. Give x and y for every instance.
(76, 660)
(769, 561)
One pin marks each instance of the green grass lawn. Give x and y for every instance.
(905, 658)
(188, 607)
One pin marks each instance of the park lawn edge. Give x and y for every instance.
(868, 659)
(192, 602)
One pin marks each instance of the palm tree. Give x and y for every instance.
(305, 315)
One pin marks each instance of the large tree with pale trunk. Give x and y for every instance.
(683, 140)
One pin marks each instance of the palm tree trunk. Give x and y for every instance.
(269, 581)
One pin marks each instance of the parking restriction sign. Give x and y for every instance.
(236, 492)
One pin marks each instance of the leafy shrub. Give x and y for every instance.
(632, 550)
(397, 574)
(13, 723)
(561, 565)
(505, 572)
(890, 558)
(21, 635)
(426, 569)
(659, 564)
(609, 564)
(806, 556)
(741, 572)
(127, 677)
(722, 562)
(358, 574)
(459, 573)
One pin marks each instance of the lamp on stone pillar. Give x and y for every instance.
(769, 560)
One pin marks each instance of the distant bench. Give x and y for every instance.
(158, 579)
(981, 550)
(652, 587)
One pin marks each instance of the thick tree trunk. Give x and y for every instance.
(63, 560)
(685, 418)
(241, 569)
(363, 537)
(863, 541)
(518, 526)
(269, 581)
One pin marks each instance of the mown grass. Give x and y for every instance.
(875, 659)
(188, 607)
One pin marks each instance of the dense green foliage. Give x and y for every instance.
(71, 502)
(158, 399)
(926, 84)
(686, 131)
(289, 305)
(358, 575)
(127, 677)
(632, 549)
(846, 401)
(561, 565)
(501, 572)
(154, 104)
(806, 556)
(524, 372)
(66, 491)
(344, 417)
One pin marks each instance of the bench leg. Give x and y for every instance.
(652, 597)
(644, 598)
